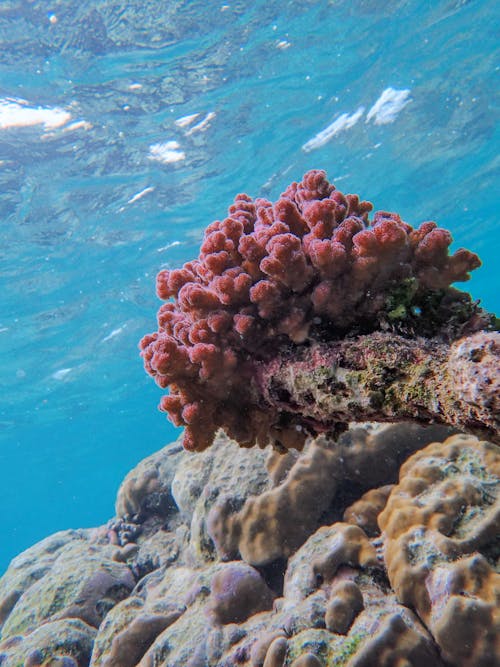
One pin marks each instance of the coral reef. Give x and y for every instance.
(274, 523)
(146, 490)
(237, 592)
(368, 544)
(270, 277)
(78, 585)
(292, 587)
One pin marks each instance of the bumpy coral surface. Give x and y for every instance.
(321, 592)
(271, 525)
(310, 266)
(440, 524)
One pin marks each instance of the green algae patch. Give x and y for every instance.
(348, 647)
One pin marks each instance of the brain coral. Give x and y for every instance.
(310, 266)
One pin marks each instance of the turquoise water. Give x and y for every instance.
(124, 131)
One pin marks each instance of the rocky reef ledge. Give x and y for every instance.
(375, 550)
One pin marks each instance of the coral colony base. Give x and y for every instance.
(341, 544)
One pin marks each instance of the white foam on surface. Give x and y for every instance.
(203, 124)
(61, 374)
(344, 122)
(166, 152)
(113, 334)
(388, 106)
(384, 111)
(184, 121)
(168, 246)
(17, 113)
(141, 194)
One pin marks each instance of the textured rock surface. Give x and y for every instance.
(384, 377)
(440, 525)
(227, 476)
(364, 512)
(84, 582)
(275, 523)
(146, 490)
(31, 565)
(237, 592)
(244, 557)
(65, 643)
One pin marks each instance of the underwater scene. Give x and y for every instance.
(249, 398)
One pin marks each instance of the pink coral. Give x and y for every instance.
(310, 266)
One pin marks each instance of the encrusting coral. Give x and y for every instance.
(272, 524)
(308, 269)
(386, 377)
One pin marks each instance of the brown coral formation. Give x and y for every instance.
(274, 523)
(346, 601)
(364, 512)
(238, 591)
(439, 527)
(146, 490)
(423, 592)
(350, 546)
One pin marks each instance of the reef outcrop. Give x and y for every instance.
(212, 560)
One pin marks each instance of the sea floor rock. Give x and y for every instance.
(378, 550)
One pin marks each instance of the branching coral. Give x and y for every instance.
(310, 267)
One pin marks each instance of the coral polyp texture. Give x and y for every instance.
(273, 276)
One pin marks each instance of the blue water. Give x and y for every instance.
(126, 127)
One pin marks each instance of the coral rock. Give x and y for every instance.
(422, 593)
(364, 512)
(439, 527)
(145, 490)
(211, 478)
(276, 521)
(274, 524)
(346, 601)
(63, 643)
(316, 563)
(135, 626)
(275, 654)
(84, 582)
(238, 591)
(307, 660)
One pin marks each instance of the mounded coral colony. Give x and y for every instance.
(335, 556)
(373, 547)
(310, 268)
